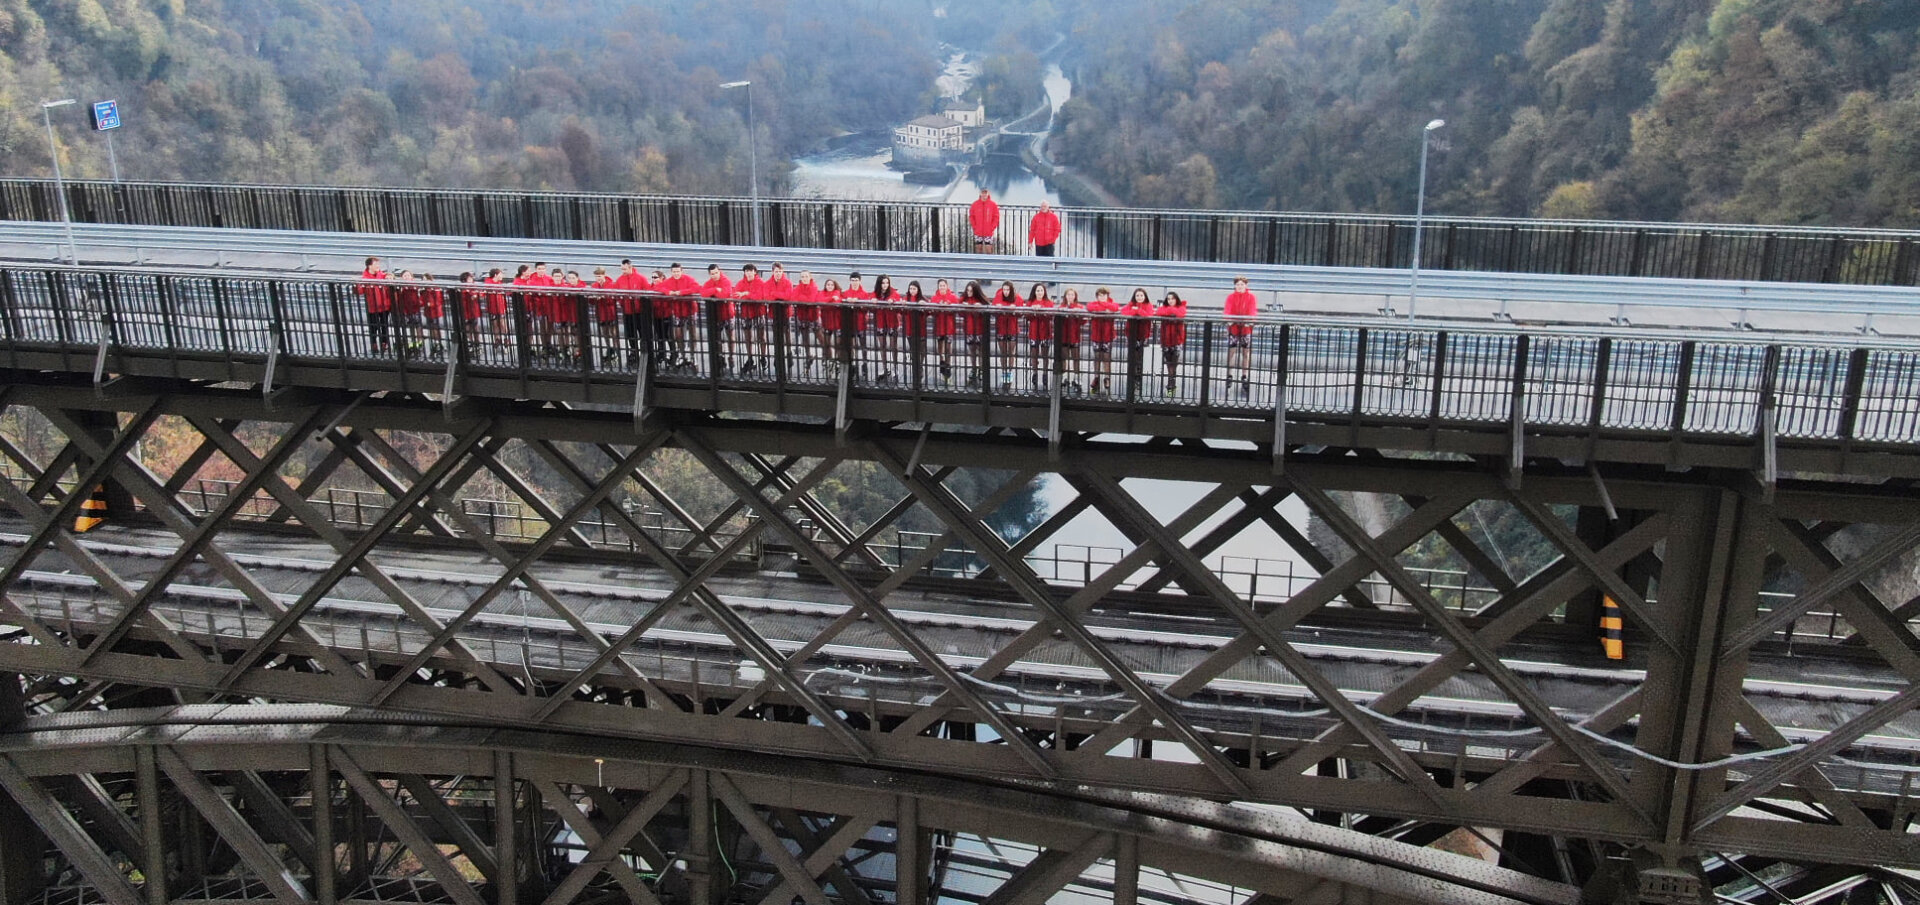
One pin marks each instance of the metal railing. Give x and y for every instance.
(1849, 390)
(1592, 248)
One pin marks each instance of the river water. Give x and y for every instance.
(856, 166)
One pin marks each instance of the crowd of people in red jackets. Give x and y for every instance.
(967, 334)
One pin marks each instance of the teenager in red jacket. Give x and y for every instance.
(1173, 336)
(886, 328)
(681, 289)
(567, 311)
(719, 287)
(1103, 312)
(1072, 326)
(984, 217)
(1006, 331)
(433, 312)
(803, 320)
(1241, 308)
(379, 301)
(1039, 335)
(406, 313)
(1044, 231)
(944, 329)
(831, 323)
(975, 297)
(742, 340)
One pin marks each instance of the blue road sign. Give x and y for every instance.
(106, 115)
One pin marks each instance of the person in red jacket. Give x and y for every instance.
(499, 327)
(406, 313)
(1072, 326)
(1103, 312)
(607, 310)
(858, 316)
(1173, 336)
(1006, 331)
(743, 340)
(379, 301)
(944, 328)
(1241, 308)
(984, 217)
(632, 308)
(1044, 231)
(1039, 335)
(886, 328)
(830, 325)
(719, 287)
(567, 310)
(976, 324)
(680, 288)
(433, 312)
(804, 321)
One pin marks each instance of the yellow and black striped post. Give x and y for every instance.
(1611, 639)
(92, 512)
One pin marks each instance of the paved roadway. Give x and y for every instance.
(1704, 305)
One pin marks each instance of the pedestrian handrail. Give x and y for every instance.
(1039, 367)
(1617, 300)
(1569, 247)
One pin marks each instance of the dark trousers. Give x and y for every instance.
(1044, 251)
(377, 324)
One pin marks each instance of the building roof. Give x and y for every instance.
(931, 121)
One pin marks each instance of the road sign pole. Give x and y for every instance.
(113, 163)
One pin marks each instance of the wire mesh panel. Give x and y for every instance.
(1476, 377)
(1320, 369)
(1890, 397)
(1723, 395)
(1810, 389)
(1643, 380)
(141, 316)
(1560, 379)
(1396, 376)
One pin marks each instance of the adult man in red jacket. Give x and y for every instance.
(984, 217)
(1044, 231)
(379, 301)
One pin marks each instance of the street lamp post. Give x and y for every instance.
(1420, 216)
(753, 157)
(59, 181)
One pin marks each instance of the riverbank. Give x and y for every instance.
(1075, 188)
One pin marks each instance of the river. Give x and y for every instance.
(856, 166)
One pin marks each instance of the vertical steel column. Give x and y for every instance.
(703, 886)
(1126, 870)
(152, 831)
(909, 854)
(506, 831)
(320, 785)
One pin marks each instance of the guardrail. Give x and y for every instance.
(1589, 248)
(628, 346)
(1531, 297)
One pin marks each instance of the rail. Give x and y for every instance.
(1046, 369)
(1533, 298)
(1593, 248)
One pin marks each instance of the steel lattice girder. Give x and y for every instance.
(210, 755)
(1716, 537)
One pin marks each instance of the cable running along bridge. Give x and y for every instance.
(371, 624)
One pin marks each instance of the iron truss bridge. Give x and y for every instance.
(548, 616)
(1567, 247)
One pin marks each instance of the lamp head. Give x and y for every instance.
(1436, 124)
(740, 84)
(48, 105)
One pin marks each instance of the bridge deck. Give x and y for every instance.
(1826, 405)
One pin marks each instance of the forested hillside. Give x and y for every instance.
(563, 94)
(1787, 111)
